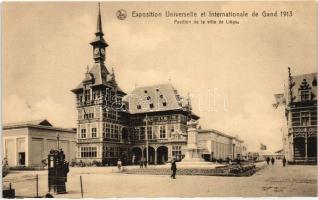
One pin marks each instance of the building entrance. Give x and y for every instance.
(162, 154)
(136, 155)
(312, 147)
(22, 158)
(299, 147)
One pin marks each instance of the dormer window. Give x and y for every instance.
(145, 91)
(304, 91)
(151, 105)
(304, 95)
(138, 107)
(164, 103)
(157, 89)
(161, 96)
(148, 98)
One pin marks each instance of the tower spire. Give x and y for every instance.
(99, 29)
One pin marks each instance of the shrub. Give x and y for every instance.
(96, 163)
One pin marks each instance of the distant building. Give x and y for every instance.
(29, 143)
(300, 134)
(218, 145)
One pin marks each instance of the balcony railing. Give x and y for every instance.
(304, 129)
(89, 103)
(301, 131)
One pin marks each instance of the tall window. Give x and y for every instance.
(162, 132)
(94, 132)
(83, 133)
(136, 134)
(304, 118)
(149, 132)
(106, 130)
(304, 95)
(116, 128)
(112, 131)
(87, 95)
(313, 118)
(88, 152)
(176, 151)
(95, 95)
(79, 98)
(142, 133)
(296, 119)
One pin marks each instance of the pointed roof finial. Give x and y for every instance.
(113, 74)
(99, 29)
(189, 102)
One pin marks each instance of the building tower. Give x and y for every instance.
(102, 134)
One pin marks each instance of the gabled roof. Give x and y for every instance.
(161, 97)
(304, 79)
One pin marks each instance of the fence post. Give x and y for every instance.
(81, 186)
(37, 186)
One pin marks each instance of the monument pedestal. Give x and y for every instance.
(193, 153)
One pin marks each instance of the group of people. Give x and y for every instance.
(143, 163)
(272, 160)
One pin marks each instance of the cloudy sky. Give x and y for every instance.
(230, 71)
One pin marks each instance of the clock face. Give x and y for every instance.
(102, 51)
(96, 51)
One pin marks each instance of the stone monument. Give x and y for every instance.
(193, 153)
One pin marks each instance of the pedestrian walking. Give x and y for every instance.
(119, 163)
(284, 161)
(267, 160)
(273, 160)
(173, 168)
(141, 164)
(145, 163)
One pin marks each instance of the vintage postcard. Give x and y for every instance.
(159, 99)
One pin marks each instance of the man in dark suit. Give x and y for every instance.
(173, 168)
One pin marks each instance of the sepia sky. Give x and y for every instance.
(45, 51)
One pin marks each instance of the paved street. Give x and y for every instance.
(101, 182)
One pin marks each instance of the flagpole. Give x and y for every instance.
(147, 138)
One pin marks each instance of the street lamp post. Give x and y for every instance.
(146, 136)
(58, 141)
